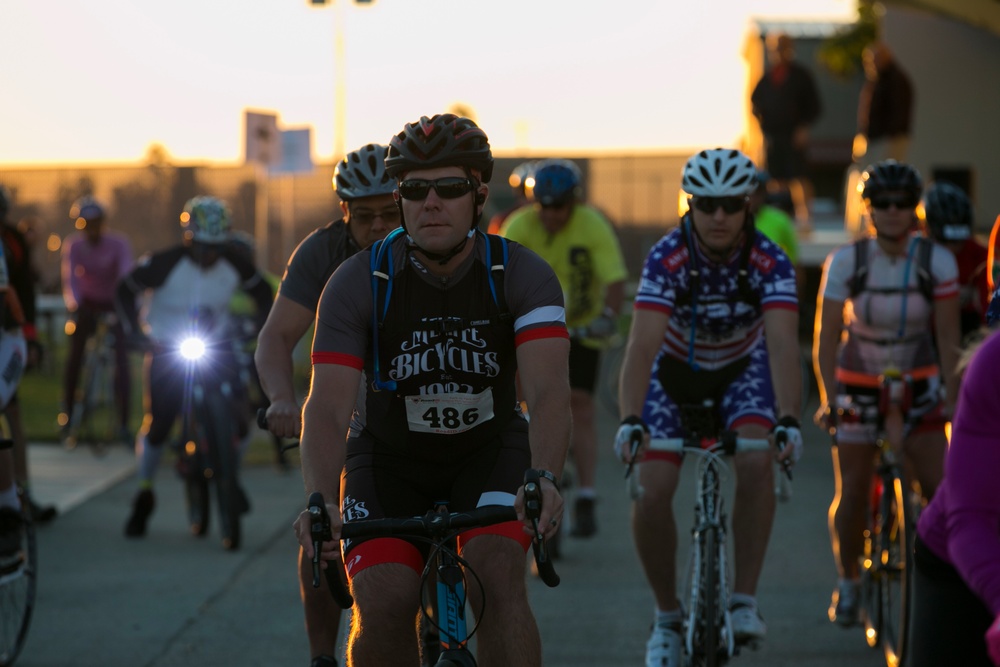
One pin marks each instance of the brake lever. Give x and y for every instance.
(319, 529)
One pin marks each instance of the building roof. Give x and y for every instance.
(798, 29)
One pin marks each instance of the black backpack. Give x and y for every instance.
(925, 279)
(382, 273)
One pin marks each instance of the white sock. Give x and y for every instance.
(667, 617)
(742, 599)
(149, 459)
(8, 498)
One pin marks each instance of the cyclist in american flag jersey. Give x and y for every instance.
(716, 316)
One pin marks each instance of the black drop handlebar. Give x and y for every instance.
(433, 525)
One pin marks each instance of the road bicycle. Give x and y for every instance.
(444, 608)
(707, 625)
(93, 420)
(208, 448)
(886, 562)
(18, 581)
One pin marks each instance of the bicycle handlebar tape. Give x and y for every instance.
(533, 510)
(320, 531)
(781, 440)
(262, 420)
(635, 440)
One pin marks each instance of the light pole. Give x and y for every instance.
(340, 76)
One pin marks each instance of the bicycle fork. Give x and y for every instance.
(450, 615)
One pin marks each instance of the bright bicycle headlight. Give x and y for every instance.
(192, 348)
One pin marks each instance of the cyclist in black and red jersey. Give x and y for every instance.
(948, 215)
(197, 276)
(365, 191)
(452, 316)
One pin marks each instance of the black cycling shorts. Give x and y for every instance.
(385, 481)
(584, 364)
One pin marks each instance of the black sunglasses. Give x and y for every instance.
(900, 201)
(390, 216)
(449, 187)
(729, 205)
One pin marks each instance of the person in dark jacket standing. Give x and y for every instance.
(786, 102)
(885, 108)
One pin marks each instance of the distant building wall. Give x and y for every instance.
(638, 192)
(954, 68)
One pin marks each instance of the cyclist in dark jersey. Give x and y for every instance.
(198, 276)
(17, 253)
(365, 192)
(948, 215)
(437, 419)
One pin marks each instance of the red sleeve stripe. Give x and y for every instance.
(542, 332)
(648, 305)
(337, 358)
(780, 305)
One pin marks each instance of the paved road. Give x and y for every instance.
(171, 599)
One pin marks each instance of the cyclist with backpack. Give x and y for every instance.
(894, 294)
(716, 317)
(369, 213)
(439, 317)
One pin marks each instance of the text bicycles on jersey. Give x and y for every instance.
(94, 419)
(707, 626)
(208, 448)
(18, 576)
(444, 608)
(886, 561)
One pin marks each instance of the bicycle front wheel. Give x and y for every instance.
(871, 572)
(895, 551)
(220, 432)
(18, 579)
(707, 648)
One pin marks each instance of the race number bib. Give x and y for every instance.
(447, 414)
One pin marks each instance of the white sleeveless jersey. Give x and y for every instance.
(890, 322)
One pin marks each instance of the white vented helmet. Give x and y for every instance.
(362, 174)
(719, 172)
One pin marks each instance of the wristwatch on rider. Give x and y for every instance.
(548, 475)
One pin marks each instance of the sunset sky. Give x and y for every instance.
(101, 80)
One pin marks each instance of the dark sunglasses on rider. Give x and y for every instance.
(729, 205)
(900, 201)
(449, 187)
(390, 216)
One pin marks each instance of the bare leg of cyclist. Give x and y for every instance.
(655, 531)
(753, 513)
(385, 621)
(584, 445)
(322, 615)
(853, 467)
(924, 451)
(584, 452)
(509, 633)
